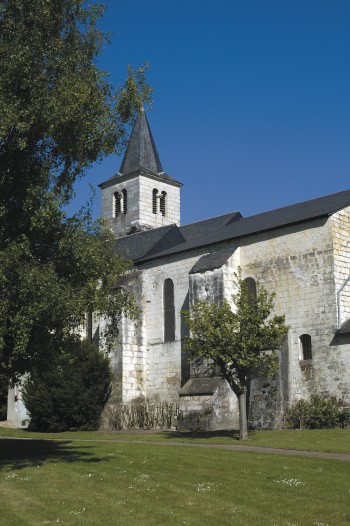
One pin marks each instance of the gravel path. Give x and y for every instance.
(247, 449)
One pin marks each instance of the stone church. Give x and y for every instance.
(301, 252)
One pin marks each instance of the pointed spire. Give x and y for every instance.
(141, 151)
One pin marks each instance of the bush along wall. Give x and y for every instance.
(319, 412)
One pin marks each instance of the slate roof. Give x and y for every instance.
(201, 386)
(212, 260)
(141, 154)
(138, 246)
(172, 239)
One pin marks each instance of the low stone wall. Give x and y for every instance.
(207, 404)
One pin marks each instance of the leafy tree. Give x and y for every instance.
(69, 392)
(240, 343)
(59, 114)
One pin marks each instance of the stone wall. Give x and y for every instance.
(296, 262)
(303, 264)
(172, 208)
(209, 411)
(129, 356)
(166, 366)
(334, 377)
(140, 214)
(341, 252)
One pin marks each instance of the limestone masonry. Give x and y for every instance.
(301, 252)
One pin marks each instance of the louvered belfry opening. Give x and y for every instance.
(117, 204)
(163, 203)
(120, 203)
(169, 310)
(154, 200)
(125, 201)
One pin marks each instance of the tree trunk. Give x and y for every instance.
(243, 420)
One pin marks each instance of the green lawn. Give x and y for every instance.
(112, 483)
(330, 440)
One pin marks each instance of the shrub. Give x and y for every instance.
(319, 412)
(69, 391)
(142, 415)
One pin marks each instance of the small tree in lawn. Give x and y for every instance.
(242, 343)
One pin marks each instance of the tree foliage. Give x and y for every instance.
(240, 343)
(69, 391)
(59, 114)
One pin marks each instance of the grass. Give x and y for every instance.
(79, 482)
(95, 478)
(324, 440)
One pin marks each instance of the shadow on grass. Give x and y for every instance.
(19, 454)
(195, 435)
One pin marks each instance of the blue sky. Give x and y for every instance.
(251, 98)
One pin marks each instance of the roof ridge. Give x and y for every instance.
(307, 201)
(214, 217)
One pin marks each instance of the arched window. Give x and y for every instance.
(251, 287)
(162, 203)
(117, 204)
(125, 201)
(169, 310)
(306, 347)
(154, 200)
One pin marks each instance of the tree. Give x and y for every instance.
(70, 391)
(59, 114)
(240, 343)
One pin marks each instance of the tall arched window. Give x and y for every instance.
(306, 347)
(154, 200)
(251, 287)
(125, 201)
(117, 204)
(162, 203)
(169, 310)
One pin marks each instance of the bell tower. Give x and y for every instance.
(141, 196)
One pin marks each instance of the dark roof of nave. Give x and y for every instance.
(172, 239)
